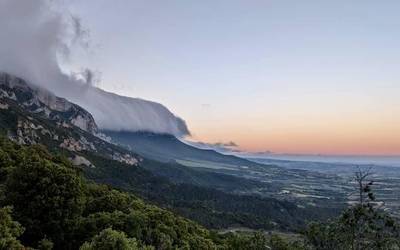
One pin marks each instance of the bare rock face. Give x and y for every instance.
(40, 101)
(125, 158)
(78, 160)
(3, 105)
(74, 145)
(31, 115)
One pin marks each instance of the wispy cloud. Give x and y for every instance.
(36, 35)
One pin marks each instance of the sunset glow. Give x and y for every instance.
(309, 77)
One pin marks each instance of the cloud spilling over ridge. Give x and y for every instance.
(222, 147)
(34, 35)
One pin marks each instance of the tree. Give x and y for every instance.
(362, 226)
(109, 239)
(277, 243)
(47, 197)
(256, 241)
(368, 226)
(45, 244)
(9, 231)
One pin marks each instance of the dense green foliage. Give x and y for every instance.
(9, 230)
(52, 201)
(111, 239)
(46, 195)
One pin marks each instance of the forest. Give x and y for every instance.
(46, 203)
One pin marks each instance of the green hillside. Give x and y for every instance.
(45, 200)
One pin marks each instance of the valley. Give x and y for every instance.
(307, 188)
(308, 184)
(386, 179)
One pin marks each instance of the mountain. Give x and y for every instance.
(166, 148)
(47, 203)
(30, 115)
(36, 100)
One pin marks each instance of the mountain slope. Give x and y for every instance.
(166, 148)
(41, 102)
(27, 118)
(52, 201)
(187, 164)
(29, 115)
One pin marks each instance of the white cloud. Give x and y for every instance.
(222, 147)
(35, 35)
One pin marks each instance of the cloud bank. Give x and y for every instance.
(221, 147)
(34, 36)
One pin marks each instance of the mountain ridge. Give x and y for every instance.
(166, 148)
(31, 115)
(38, 100)
(23, 118)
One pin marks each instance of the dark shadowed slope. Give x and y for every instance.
(168, 148)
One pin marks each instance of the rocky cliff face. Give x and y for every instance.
(42, 102)
(32, 115)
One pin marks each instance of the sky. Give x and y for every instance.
(304, 77)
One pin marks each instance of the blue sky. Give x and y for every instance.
(286, 76)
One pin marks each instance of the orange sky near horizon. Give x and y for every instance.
(351, 134)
